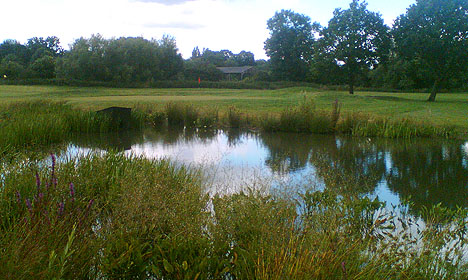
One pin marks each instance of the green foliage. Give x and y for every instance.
(223, 58)
(303, 118)
(355, 39)
(434, 33)
(290, 45)
(363, 125)
(35, 124)
(46, 228)
(234, 117)
(153, 219)
(123, 61)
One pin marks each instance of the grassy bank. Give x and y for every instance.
(38, 124)
(448, 110)
(142, 219)
(29, 125)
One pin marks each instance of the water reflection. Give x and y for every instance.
(423, 171)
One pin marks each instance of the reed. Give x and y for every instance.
(303, 118)
(36, 124)
(143, 218)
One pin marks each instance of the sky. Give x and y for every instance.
(214, 24)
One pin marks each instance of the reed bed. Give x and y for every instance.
(36, 124)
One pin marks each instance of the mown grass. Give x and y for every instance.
(448, 110)
(117, 217)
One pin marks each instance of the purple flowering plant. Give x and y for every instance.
(53, 205)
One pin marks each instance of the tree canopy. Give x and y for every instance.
(355, 39)
(290, 46)
(124, 60)
(434, 34)
(427, 47)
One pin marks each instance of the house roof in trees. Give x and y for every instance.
(235, 70)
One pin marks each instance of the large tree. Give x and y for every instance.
(356, 39)
(290, 45)
(434, 33)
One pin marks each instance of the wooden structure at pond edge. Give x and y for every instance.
(119, 116)
(235, 71)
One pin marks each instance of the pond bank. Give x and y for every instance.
(129, 217)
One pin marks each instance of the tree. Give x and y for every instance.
(15, 51)
(435, 34)
(44, 67)
(39, 47)
(356, 39)
(290, 45)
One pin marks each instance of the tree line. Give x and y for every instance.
(124, 61)
(427, 47)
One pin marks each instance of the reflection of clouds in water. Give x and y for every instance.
(194, 152)
(465, 160)
(385, 194)
(284, 163)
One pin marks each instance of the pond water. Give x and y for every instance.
(423, 171)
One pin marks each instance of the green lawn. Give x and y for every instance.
(449, 108)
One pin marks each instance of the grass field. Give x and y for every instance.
(449, 108)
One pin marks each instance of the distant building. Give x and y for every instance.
(235, 71)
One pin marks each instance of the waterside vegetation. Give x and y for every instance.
(25, 124)
(144, 219)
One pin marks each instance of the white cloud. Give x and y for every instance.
(164, 2)
(216, 24)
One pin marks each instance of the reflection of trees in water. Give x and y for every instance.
(233, 136)
(346, 163)
(429, 173)
(174, 135)
(119, 141)
(352, 165)
(287, 152)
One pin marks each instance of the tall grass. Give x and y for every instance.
(31, 124)
(368, 126)
(152, 220)
(302, 118)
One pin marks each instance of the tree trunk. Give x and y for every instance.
(351, 83)
(434, 90)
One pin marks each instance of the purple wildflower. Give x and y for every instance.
(41, 196)
(18, 197)
(46, 215)
(28, 204)
(38, 181)
(61, 208)
(72, 190)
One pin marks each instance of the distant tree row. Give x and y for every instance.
(203, 63)
(122, 60)
(35, 59)
(426, 47)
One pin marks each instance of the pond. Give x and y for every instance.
(422, 171)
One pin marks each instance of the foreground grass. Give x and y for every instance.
(449, 109)
(114, 217)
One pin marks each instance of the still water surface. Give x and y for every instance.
(423, 171)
